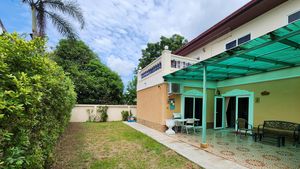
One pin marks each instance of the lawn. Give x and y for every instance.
(113, 145)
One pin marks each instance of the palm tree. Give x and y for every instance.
(2, 27)
(50, 9)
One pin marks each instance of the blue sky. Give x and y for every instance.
(117, 30)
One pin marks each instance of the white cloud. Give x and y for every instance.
(118, 29)
(122, 66)
(104, 44)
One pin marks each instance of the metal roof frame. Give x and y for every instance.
(275, 50)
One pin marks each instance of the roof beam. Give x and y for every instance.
(276, 39)
(254, 58)
(184, 77)
(238, 67)
(226, 73)
(285, 41)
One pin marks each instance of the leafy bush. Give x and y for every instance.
(36, 99)
(102, 110)
(125, 115)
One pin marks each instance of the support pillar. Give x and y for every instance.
(204, 104)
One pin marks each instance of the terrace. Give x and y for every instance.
(244, 151)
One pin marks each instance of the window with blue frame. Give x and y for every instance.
(244, 39)
(294, 17)
(230, 45)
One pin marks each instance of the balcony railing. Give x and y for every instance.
(167, 63)
(179, 62)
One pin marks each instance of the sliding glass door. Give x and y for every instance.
(219, 113)
(193, 107)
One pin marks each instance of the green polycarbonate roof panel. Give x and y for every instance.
(275, 50)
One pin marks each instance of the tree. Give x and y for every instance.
(149, 54)
(130, 94)
(49, 9)
(153, 50)
(2, 27)
(94, 82)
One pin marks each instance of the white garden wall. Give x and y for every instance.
(80, 114)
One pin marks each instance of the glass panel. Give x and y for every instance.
(294, 17)
(230, 111)
(188, 107)
(219, 110)
(198, 109)
(243, 108)
(231, 45)
(244, 39)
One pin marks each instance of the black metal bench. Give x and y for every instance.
(279, 130)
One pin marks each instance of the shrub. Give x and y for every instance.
(91, 115)
(125, 115)
(36, 99)
(102, 112)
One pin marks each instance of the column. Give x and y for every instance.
(204, 104)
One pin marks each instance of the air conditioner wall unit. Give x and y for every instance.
(174, 88)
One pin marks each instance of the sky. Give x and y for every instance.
(117, 30)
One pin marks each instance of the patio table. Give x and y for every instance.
(180, 122)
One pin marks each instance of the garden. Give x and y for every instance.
(39, 86)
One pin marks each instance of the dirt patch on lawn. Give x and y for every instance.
(70, 148)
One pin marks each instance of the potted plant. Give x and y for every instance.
(131, 118)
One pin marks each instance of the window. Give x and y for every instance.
(294, 17)
(244, 39)
(151, 70)
(230, 45)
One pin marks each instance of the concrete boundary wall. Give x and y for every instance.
(80, 112)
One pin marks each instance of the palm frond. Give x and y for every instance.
(67, 7)
(2, 27)
(62, 25)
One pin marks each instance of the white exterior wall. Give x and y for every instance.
(259, 26)
(157, 77)
(80, 114)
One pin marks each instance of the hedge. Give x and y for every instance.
(36, 98)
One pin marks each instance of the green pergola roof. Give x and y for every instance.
(276, 50)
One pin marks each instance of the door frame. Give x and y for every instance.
(237, 93)
(223, 112)
(237, 108)
(190, 93)
(194, 99)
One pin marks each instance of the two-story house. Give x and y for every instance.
(246, 66)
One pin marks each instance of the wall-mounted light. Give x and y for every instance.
(265, 93)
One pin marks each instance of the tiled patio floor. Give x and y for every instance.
(245, 151)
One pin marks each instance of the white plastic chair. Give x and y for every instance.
(189, 124)
(197, 126)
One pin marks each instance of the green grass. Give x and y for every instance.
(114, 145)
